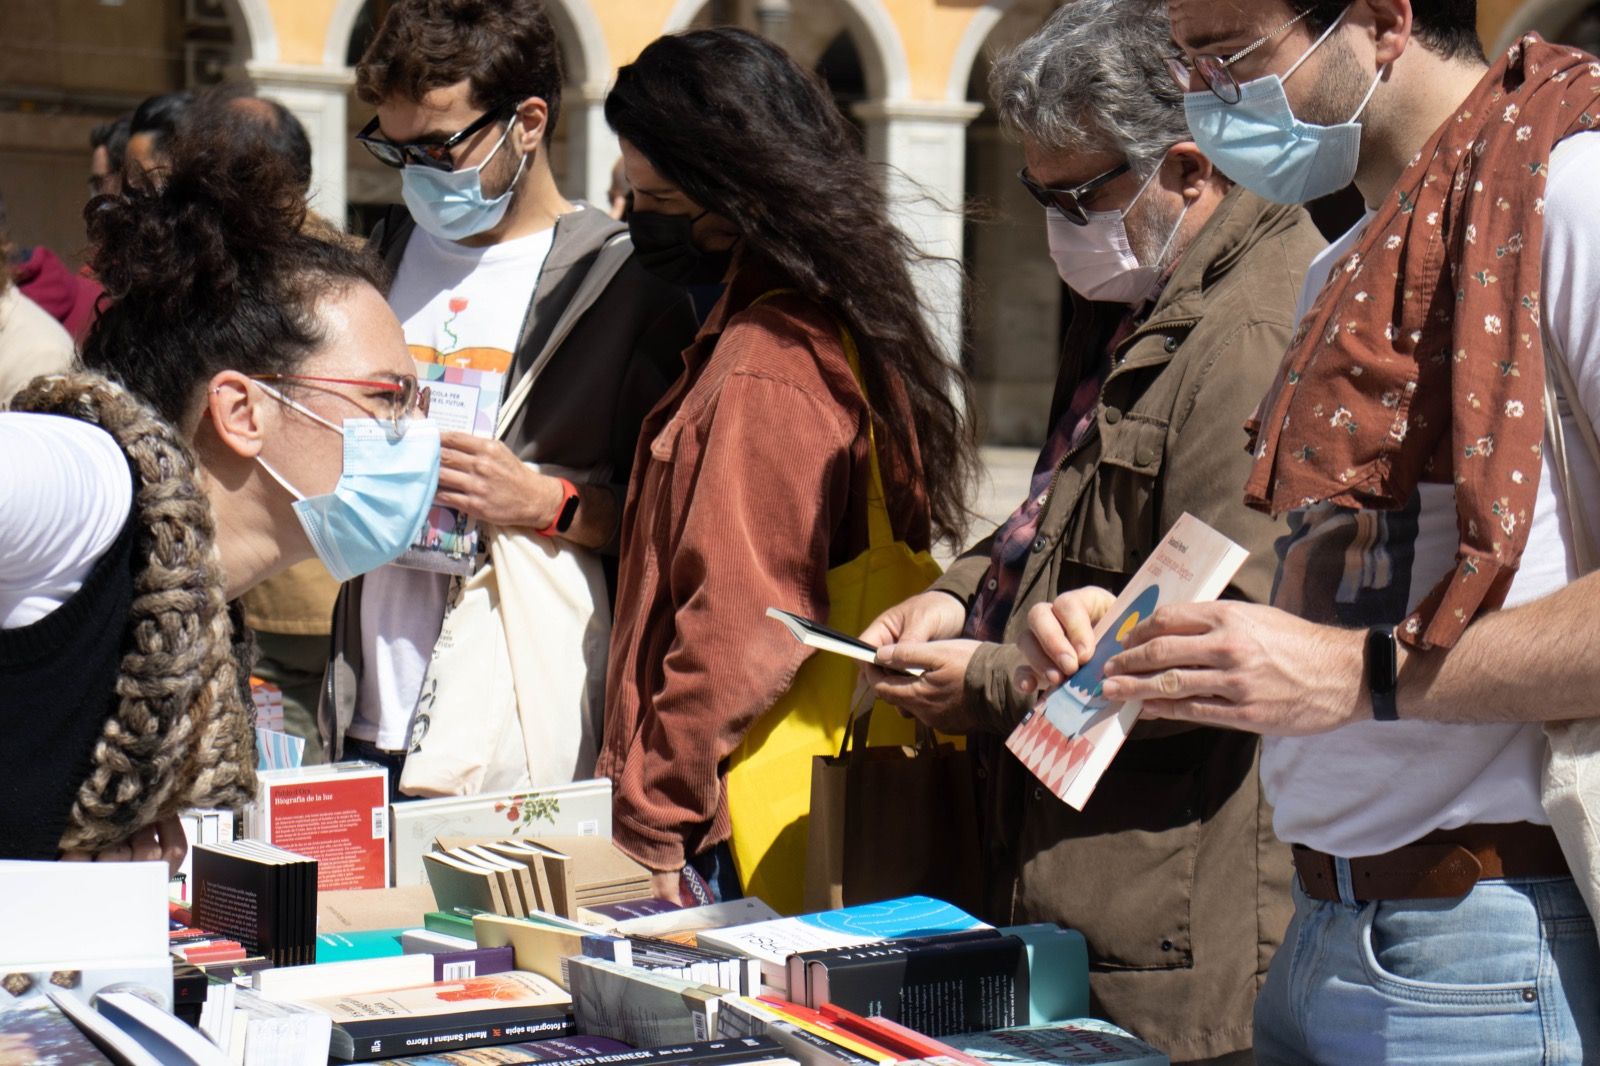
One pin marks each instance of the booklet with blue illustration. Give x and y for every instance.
(1072, 736)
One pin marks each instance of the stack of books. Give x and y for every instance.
(581, 809)
(261, 896)
(405, 975)
(556, 875)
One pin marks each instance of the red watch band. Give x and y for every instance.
(563, 519)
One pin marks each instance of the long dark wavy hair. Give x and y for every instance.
(748, 134)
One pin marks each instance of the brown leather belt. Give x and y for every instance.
(1445, 864)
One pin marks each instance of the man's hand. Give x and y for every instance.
(484, 479)
(1242, 666)
(165, 840)
(938, 698)
(922, 618)
(1060, 637)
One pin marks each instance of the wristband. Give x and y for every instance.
(565, 513)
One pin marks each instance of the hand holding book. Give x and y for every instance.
(1060, 637)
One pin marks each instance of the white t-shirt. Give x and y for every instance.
(1371, 787)
(65, 495)
(448, 297)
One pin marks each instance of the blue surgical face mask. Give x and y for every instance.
(377, 509)
(1260, 144)
(450, 204)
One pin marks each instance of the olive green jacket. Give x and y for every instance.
(1171, 871)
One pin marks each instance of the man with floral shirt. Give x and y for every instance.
(1429, 615)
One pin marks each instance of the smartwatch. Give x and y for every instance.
(1383, 672)
(566, 512)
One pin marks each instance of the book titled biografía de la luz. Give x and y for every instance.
(1069, 740)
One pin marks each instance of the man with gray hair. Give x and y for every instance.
(1183, 297)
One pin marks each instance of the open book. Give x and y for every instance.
(1070, 739)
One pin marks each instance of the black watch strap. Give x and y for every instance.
(569, 511)
(1383, 672)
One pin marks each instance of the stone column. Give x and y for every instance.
(924, 144)
(317, 96)
(591, 146)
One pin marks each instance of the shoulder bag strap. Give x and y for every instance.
(1558, 381)
(613, 254)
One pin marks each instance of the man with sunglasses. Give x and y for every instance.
(493, 267)
(1430, 612)
(1182, 291)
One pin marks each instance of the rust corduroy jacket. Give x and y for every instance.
(750, 484)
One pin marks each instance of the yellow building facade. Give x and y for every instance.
(910, 72)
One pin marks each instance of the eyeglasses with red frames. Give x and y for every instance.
(1217, 71)
(406, 396)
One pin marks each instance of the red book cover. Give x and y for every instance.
(893, 1036)
(340, 818)
(215, 953)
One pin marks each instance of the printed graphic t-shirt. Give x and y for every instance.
(1371, 787)
(449, 298)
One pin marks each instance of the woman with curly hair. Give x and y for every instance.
(753, 472)
(246, 406)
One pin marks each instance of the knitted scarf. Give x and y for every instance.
(183, 732)
(1422, 359)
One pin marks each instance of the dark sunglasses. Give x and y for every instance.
(435, 155)
(1070, 201)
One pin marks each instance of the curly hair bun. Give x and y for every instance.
(225, 205)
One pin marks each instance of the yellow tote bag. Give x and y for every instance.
(769, 775)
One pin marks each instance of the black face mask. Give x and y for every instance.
(665, 247)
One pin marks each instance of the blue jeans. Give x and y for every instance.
(1507, 975)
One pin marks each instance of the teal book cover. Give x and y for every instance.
(1058, 970)
(349, 947)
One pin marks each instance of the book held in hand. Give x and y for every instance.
(461, 391)
(814, 634)
(1070, 740)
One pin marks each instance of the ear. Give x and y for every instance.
(532, 116)
(236, 413)
(1194, 172)
(1391, 28)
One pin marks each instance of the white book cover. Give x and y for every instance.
(580, 809)
(295, 983)
(1086, 1040)
(116, 933)
(1070, 739)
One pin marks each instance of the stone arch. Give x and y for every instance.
(983, 22)
(260, 41)
(1547, 16)
(877, 38)
(583, 43)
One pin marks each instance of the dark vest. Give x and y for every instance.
(58, 680)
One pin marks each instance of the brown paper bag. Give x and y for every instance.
(892, 821)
